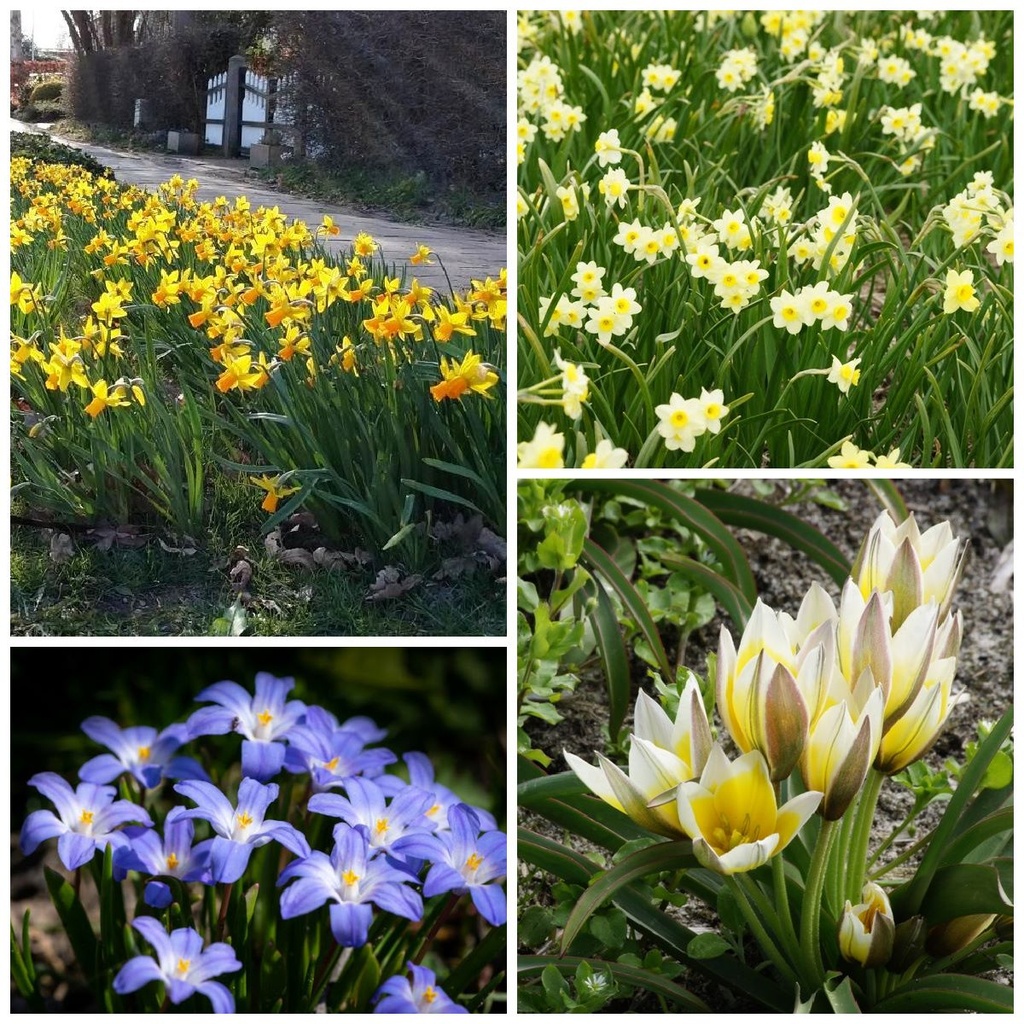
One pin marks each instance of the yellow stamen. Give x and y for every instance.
(245, 820)
(350, 878)
(87, 817)
(183, 966)
(429, 994)
(382, 825)
(265, 717)
(143, 753)
(332, 764)
(473, 861)
(433, 810)
(172, 862)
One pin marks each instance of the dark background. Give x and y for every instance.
(449, 704)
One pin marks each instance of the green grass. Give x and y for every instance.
(150, 592)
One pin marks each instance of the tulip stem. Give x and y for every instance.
(858, 856)
(837, 878)
(810, 918)
(782, 903)
(753, 917)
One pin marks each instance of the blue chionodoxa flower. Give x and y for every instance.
(399, 995)
(265, 720)
(181, 964)
(173, 856)
(138, 749)
(239, 829)
(332, 753)
(463, 860)
(351, 880)
(366, 806)
(88, 818)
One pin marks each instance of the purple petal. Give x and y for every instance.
(229, 695)
(223, 1001)
(419, 844)
(490, 901)
(121, 812)
(350, 923)
(287, 835)
(58, 792)
(272, 690)
(212, 802)
(228, 859)
(303, 896)
(145, 852)
(75, 849)
(108, 734)
(350, 848)
(331, 804)
(442, 878)
(136, 973)
(40, 826)
(154, 933)
(178, 990)
(255, 797)
(102, 768)
(400, 900)
(185, 768)
(158, 894)
(261, 761)
(218, 958)
(465, 828)
(366, 799)
(421, 771)
(210, 722)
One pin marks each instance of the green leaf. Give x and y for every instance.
(706, 946)
(613, 659)
(273, 976)
(891, 499)
(958, 890)
(599, 561)
(727, 593)
(626, 973)
(535, 926)
(961, 848)
(556, 859)
(907, 900)
(441, 494)
(839, 992)
(694, 516)
(751, 514)
(669, 856)
(74, 918)
(464, 977)
(948, 993)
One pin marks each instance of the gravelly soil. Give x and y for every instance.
(980, 511)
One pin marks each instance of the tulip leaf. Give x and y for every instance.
(907, 900)
(888, 494)
(668, 856)
(958, 890)
(948, 993)
(839, 992)
(613, 659)
(599, 561)
(692, 514)
(725, 592)
(626, 973)
(738, 510)
(999, 824)
(553, 857)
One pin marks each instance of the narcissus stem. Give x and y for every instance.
(810, 918)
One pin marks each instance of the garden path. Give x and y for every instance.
(467, 252)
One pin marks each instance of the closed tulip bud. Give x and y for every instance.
(952, 936)
(908, 945)
(867, 930)
(915, 567)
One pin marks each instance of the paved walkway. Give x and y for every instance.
(467, 253)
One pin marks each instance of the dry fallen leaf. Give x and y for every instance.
(62, 548)
(390, 584)
(296, 556)
(240, 575)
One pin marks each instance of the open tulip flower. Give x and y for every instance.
(731, 813)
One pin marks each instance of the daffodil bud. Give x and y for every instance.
(867, 930)
(952, 936)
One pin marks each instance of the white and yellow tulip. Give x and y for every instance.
(732, 816)
(866, 931)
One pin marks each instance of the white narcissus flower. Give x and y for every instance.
(844, 375)
(681, 422)
(606, 456)
(867, 930)
(732, 816)
(662, 754)
(959, 292)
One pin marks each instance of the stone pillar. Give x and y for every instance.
(233, 97)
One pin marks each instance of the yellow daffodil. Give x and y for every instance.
(238, 373)
(104, 398)
(26, 296)
(472, 374)
(422, 256)
(449, 324)
(275, 489)
(732, 816)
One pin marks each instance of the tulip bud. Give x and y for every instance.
(867, 930)
(908, 946)
(952, 936)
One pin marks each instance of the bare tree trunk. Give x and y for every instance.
(82, 31)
